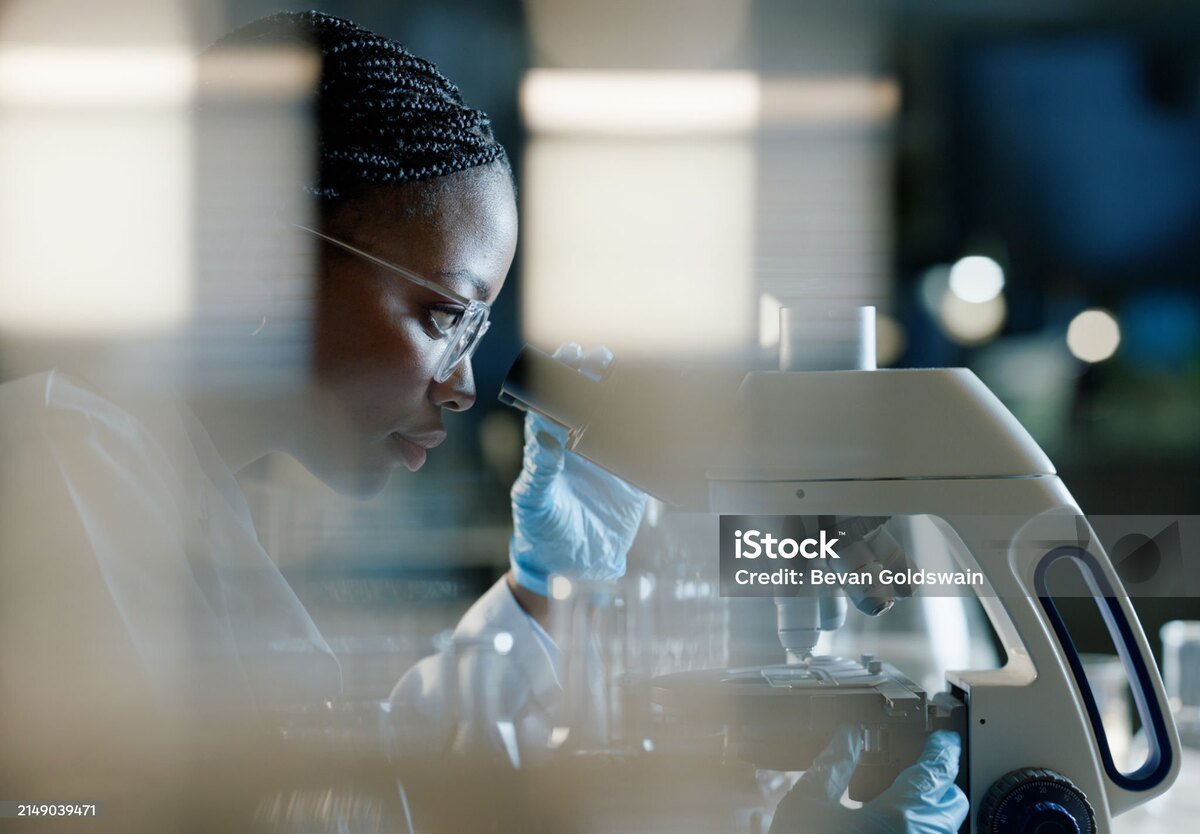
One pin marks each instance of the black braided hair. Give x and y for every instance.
(383, 114)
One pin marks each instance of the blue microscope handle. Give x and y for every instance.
(1157, 766)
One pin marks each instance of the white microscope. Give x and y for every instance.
(933, 445)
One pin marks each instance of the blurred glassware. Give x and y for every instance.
(484, 724)
(476, 719)
(614, 637)
(679, 584)
(1176, 811)
(692, 621)
(1181, 674)
(588, 624)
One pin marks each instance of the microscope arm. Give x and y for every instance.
(1043, 688)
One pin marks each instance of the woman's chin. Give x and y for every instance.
(370, 482)
(365, 471)
(361, 482)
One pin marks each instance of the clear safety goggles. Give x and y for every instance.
(463, 336)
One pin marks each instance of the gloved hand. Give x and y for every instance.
(569, 516)
(922, 800)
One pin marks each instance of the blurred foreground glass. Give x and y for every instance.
(361, 728)
(86, 254)
(614, 638)
(482, 684)
(683, 237)
(484, 724)
(328, 810)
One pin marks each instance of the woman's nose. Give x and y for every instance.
(457, 391)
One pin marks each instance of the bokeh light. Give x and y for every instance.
(976, 278)
(1093, 335)
(971, 323)
(502, 642)
(560, 587)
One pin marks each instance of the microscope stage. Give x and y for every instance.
(780, 717)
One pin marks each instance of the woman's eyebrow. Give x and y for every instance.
(480, 286)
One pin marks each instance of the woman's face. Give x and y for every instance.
(377, 342)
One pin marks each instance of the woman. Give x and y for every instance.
(133, 511)
(150, 545)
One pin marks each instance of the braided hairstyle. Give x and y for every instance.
(383, 115)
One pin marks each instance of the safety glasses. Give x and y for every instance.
(463, 334)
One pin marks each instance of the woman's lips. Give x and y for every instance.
(413, 448)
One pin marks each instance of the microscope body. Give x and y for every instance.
(934, 444)
(938, 444)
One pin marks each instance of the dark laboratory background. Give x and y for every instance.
(1015, 185)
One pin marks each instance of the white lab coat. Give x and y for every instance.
(130, 572)
(129, 561)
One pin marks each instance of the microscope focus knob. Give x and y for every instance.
(1034, 800)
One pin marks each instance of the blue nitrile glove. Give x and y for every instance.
(570, 517)
(922, 800)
